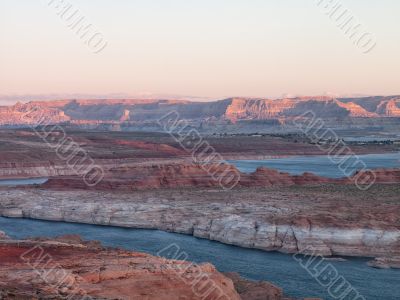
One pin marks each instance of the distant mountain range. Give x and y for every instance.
(131, 112)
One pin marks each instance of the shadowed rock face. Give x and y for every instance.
(250, 290)
(233, 110)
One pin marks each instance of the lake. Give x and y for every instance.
(320, 165)
(28, 181)
(278, 268)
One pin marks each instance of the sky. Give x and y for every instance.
(209, 49)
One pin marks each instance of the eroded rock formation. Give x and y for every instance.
(250, 290)
(69, 268)
(181, 175)
(326, 220)
(65, 269)
(385, 262)
(232, 109)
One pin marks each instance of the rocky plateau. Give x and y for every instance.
(243, 113)
(325, 219)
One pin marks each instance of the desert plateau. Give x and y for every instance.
(199, 150)
(149, 182)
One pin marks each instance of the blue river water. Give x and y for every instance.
(281, 269)
(319, 165)
(28, 181)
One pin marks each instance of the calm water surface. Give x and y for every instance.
(278, 268)
(28, 181)
(320, 165)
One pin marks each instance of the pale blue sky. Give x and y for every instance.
(207, 48)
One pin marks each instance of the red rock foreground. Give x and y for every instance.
(68, 268)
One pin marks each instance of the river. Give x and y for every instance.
(27, 181)
(320, 165)
(278, 268)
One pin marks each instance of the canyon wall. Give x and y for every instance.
(231, 110)
(245, 218)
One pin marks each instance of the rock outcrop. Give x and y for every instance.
(59, 270)
(31, 170)
(185, 175)
(69, 268)
(3, 236)
(252, 290)
(181, 175)
(161, 149)
(233, 109)
(326, 220)
(387, 176)
(385, 263)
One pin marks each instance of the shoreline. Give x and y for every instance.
(254, 223)
(47, 169)
(339, 258)
(270, 267)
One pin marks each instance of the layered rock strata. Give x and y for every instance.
(185, 175)
(70, 268)
(98, 111)
(59, 270)
(325, 220)
(180, 175)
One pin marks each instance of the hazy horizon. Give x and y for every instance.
(206, 50)
(13, 99)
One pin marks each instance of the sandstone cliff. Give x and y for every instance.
(326, 220)
(184, 175)
(232, 109)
